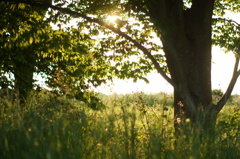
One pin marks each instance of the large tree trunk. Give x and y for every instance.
(186, 38)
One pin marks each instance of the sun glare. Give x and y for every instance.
(112, 18)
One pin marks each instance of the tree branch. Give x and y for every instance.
(231, 85)
(110, 27)
(228, 20)
(235, 75)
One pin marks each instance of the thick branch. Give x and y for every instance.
(229, 90)
(235, 75)
(110, 27)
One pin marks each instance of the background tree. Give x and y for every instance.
(20, 38)
(30, 45)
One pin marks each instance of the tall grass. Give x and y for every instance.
(56, 127)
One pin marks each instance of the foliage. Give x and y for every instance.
(217, 94)
(64, 57)
(68, 51)
(57, 127)
(226, 34)
(236, 99)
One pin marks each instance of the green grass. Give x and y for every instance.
(52, 127)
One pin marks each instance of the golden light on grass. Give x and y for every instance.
(188, 120)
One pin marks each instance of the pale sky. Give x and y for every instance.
(222, 68)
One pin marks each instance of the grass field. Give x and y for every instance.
(137, 126)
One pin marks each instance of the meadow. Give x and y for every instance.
(133, 126)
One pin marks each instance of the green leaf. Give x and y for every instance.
(30, 40)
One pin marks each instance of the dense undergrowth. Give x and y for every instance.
(53, 127)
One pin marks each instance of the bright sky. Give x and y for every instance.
(222, 68)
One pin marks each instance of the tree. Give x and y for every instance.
(185, 29)
(30, 45)
(20, 44)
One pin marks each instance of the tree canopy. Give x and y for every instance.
(31, 45)
(186, 30)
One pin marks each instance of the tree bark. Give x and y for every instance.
(186, 38)
(23, 73)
